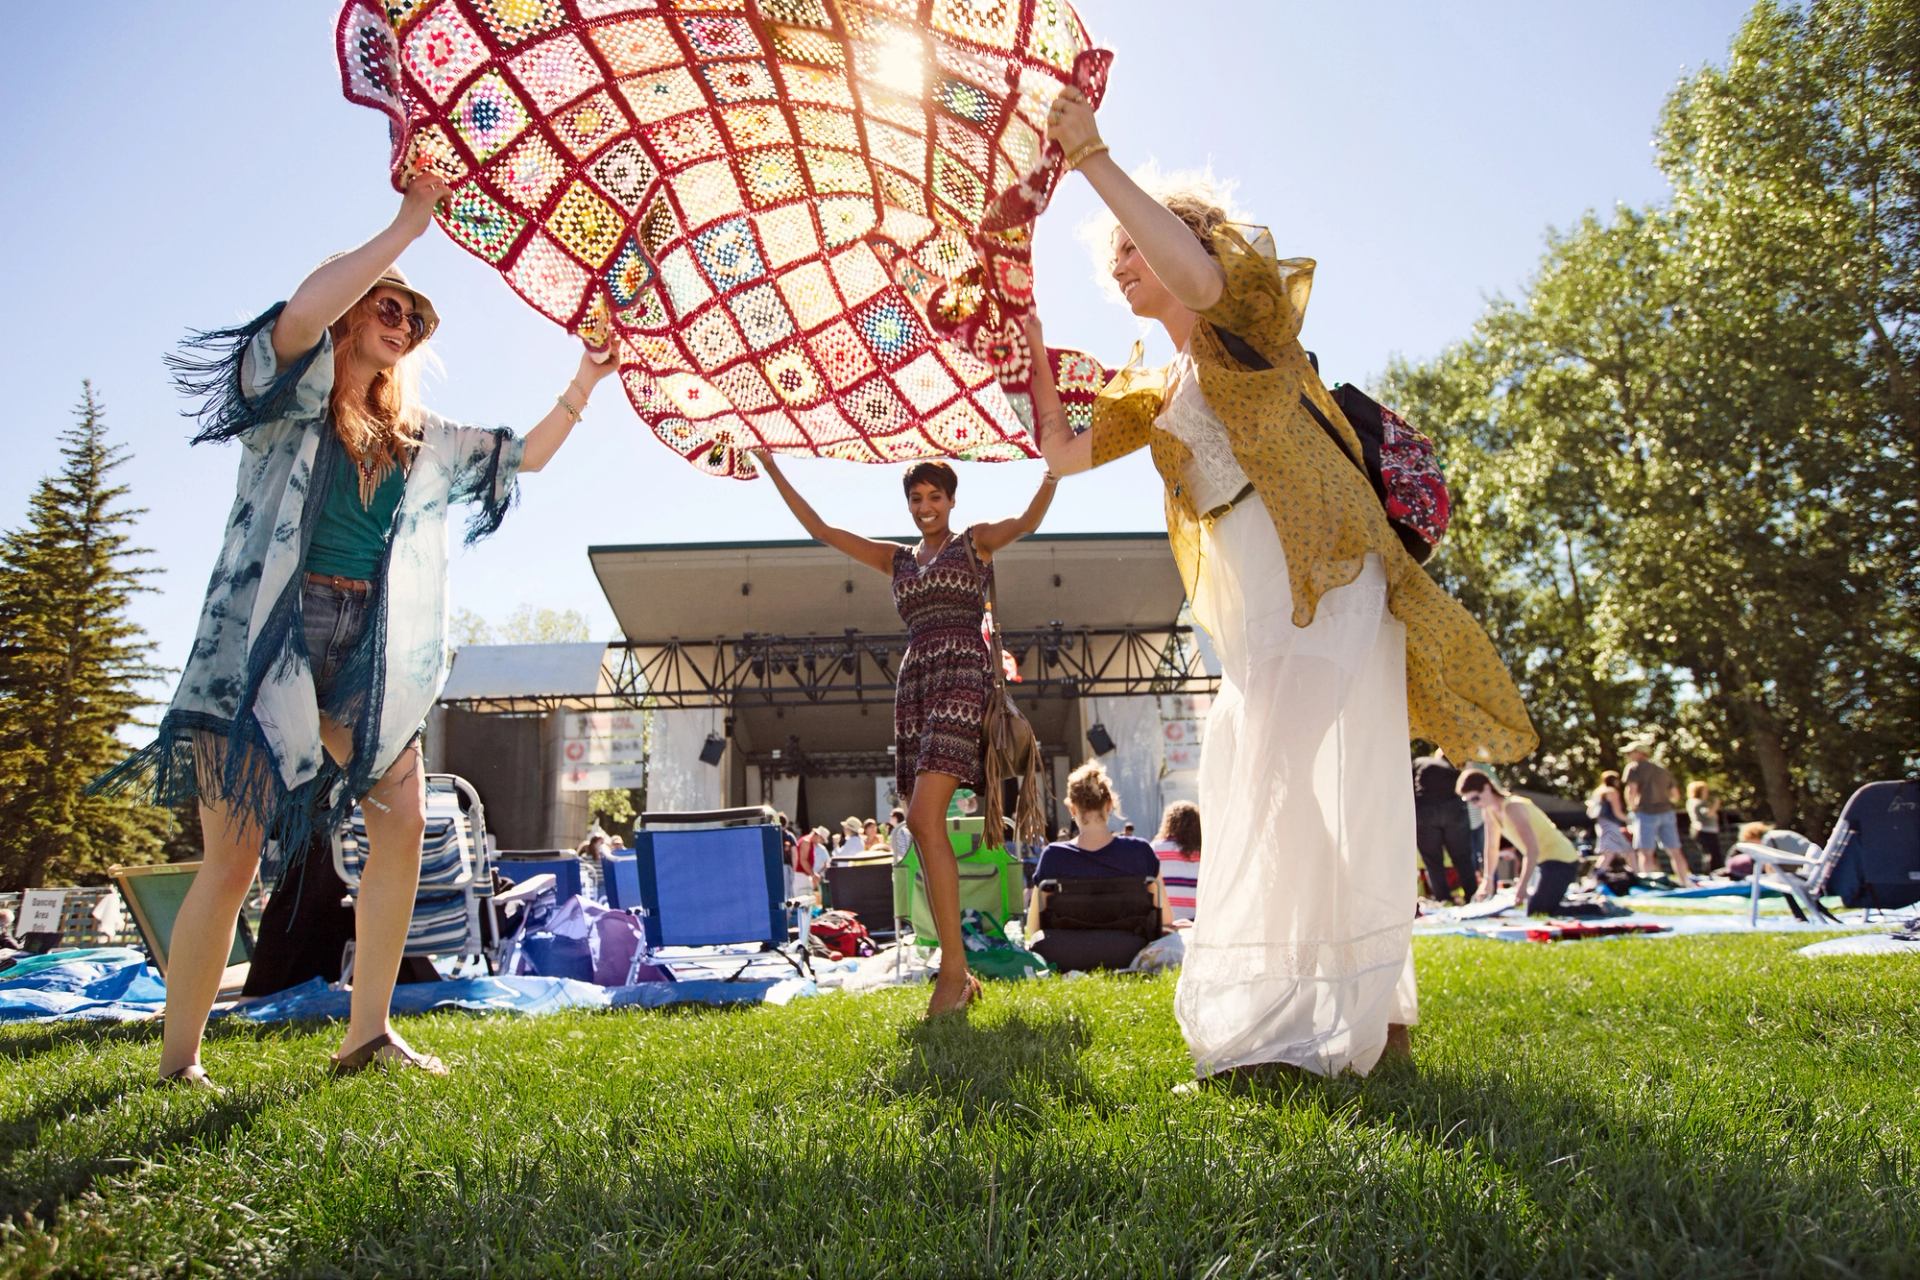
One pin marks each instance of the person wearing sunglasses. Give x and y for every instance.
(321, 644)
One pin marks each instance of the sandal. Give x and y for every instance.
(384, 1050)
(974, 992)
(191, 1076)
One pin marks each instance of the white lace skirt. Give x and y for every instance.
(1301, 948)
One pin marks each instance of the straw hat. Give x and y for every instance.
(397, 278)
(1643, 745)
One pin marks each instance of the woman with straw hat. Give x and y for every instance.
(321, 644)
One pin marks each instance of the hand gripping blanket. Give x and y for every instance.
(804, 225)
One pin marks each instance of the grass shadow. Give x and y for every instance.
(37, 1178)
(1010, 1068)
(1616, 1192)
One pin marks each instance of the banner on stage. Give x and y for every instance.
(602, 750)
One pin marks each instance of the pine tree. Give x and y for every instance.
(71, 666)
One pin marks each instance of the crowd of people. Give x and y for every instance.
(1491, 835)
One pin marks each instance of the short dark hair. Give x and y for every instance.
(1474, 780)
(933, 472)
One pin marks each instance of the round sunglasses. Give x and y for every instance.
(394, 316)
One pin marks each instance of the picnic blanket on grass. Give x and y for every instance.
(106, 984)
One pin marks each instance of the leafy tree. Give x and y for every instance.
(1688, 463)
(71, 665)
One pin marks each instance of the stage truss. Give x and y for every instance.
(858, 668)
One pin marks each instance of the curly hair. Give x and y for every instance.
(1181, 824)
(1202, 216)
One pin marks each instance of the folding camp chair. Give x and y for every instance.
(1095, 922)
(992, 881)
(563, 866)
(154, 896)
(456, 880)
(707, 882)
(1871, 860)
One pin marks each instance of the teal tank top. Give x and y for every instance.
(349, 539)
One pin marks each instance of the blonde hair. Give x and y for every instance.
(1089, 789)
(1698, 791)
(1194, 196)
(1751, 832)
(384, 423)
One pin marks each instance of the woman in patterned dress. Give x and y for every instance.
(1330, 637)
(940, 588)
(321, 645)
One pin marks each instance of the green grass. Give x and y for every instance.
(1697, 1108)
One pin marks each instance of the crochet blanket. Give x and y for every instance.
(804, 225)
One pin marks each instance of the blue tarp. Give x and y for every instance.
(111, 984)
(115, 984)
(314, 999)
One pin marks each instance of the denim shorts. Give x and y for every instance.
(1656, 830)
(333, 621)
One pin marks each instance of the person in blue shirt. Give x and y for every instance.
(1095, 852)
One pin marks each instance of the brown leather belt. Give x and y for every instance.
(1218, 513)
(359, 586)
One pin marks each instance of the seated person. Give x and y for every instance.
(1740, 865)
(1541, 844)
(1094, 854)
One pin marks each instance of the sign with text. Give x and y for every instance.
(40, 911)
(602, 749)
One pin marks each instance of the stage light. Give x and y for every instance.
(714, 748)
(759, 667)
(1099, 739)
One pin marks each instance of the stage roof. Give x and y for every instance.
(515, 677)
(702, 591)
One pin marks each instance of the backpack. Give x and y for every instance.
(839, 934)
(1397, 460)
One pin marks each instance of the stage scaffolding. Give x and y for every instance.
(857, 668)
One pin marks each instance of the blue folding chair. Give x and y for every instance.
(563, 867)
(722, 887)
(620, 872)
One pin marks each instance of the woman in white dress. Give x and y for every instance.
(1327, 631)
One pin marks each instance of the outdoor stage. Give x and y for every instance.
(764, 671)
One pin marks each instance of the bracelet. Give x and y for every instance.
(1084, 153)
(1047, 477)
(566, 406)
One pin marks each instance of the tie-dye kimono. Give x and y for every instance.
(244, 724)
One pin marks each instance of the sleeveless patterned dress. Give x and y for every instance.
(941, 693)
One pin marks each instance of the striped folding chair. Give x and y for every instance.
(456, 881)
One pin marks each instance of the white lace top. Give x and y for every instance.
(1213, 477)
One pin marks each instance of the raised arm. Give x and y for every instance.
(1170, 248)
(868, 551)
(993, 535)
(1066, 453)
(324, 296)
(552, 431)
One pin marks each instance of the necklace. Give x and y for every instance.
(936, 551)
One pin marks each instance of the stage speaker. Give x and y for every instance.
(1099, 739)
(712, 749)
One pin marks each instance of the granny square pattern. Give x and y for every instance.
(798, 224)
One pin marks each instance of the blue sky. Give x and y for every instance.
(187, 171)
